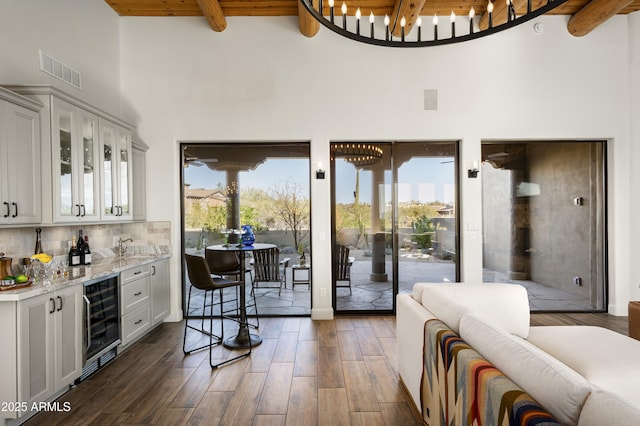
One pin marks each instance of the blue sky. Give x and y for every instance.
(421, 179)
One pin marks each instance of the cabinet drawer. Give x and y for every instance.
(135, 324)
(135, 295)
(134, 273)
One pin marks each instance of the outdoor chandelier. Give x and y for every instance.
(324, 12)
(358, 154)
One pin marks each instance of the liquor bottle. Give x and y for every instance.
(79, 246)
(38, 248)
(86, 250)
(74, 254)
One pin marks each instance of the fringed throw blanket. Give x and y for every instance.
(460, 387)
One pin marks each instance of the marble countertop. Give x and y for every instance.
(81, 274)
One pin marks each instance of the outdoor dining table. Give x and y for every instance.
(243, 339)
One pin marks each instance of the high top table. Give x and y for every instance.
(243, 339)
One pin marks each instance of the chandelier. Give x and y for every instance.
(358, 154)
(324, 11)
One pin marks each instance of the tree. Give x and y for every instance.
(292, 207)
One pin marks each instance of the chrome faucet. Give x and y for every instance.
(123, 249)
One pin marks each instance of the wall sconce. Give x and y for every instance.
(474, 169)
(320, 172)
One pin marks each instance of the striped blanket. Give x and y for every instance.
(460, 387)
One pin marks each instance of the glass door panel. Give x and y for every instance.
(395, 211)
(426, 200)
(544, 221)
(363, 225)
(66, 161)
(124, 175)
(108, 141)
(90, 181)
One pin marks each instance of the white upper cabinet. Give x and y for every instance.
(116, 163)
(74, 148)
(20, 187)
(86, 166)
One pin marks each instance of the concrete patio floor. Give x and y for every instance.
(367, 295)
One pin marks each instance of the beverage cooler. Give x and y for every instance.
(102, 323)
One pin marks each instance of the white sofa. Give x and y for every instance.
(581, 375)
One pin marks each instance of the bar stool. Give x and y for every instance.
(201, 278)
(227, 264)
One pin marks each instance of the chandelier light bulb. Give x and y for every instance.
(386, 20)
(358, 14)
(472, 13)
(419, 21)
(453, 16)
(344, 8)
(403, 22)
(490, 7)
(372, 18)
(331, 3)
(435, 19)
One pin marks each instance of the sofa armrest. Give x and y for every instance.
(410, 319)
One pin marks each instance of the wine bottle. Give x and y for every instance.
(38, 248)
(74, 254)
(79, 246)
(86, 250)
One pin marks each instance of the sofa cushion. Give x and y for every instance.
(606, 408)
(604, 357)
(556, 387)
(505, 305)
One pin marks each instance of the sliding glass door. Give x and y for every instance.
(544, 226)
(395, 217)
(228, 186)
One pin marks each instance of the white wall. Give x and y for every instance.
(83, 35)
(261, 80)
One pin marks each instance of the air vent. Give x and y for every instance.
(57, 69)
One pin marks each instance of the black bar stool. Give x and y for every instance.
(201, 278)
(227, 264)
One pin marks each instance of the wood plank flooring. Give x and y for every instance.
(339, 372)
(305, 372)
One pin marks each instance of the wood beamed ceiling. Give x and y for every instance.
(586, 15)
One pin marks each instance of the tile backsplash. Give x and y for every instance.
(20, 242)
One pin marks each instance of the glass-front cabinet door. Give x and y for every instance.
(115, 158)
(124, 157)
(75, 154)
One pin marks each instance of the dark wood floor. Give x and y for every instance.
(617, 324)
(304, 373)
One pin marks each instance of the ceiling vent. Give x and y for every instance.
(57, 69)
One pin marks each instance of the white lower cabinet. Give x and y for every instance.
(47, 332)
(160, 291)
(135, 303)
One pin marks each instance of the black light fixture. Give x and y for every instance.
(404, 40)
(474, 169)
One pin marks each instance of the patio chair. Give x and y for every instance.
(343, 266)
(268, 268)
